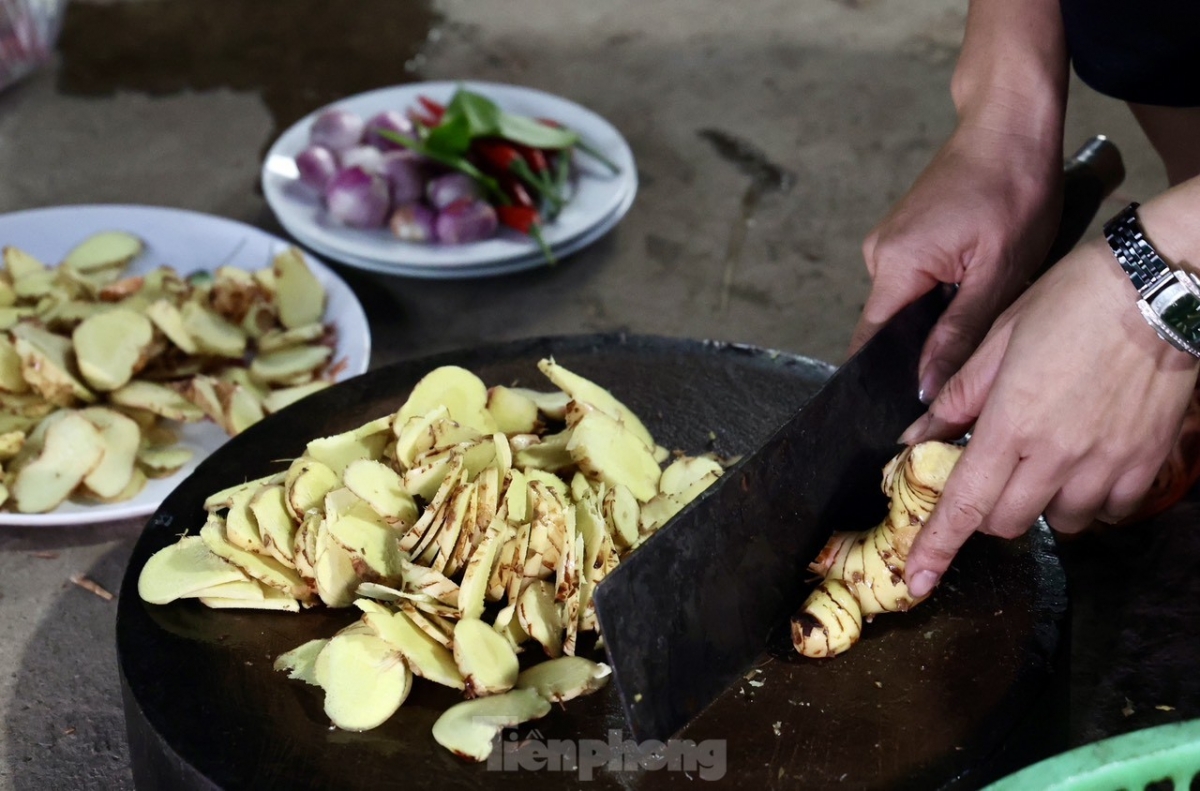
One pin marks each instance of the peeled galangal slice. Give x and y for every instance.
(122, 440)
(183, 569)
(72, 448)
(365, 680)
(461, 392)
(485, 658)
(106, 250)
(111, 347)
(565, 678)
(469, 729)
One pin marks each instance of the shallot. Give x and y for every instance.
(366, 157)
(413, 222)
(390, 121)
(336, 130)
(403, 171)
(450, 188)
(317, 165)
(466, 221)
(357, 198)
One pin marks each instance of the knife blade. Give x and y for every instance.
(694, 606)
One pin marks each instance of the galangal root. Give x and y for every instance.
(863, 571)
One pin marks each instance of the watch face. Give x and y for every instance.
(1183, 316)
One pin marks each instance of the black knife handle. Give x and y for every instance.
(1092, 174)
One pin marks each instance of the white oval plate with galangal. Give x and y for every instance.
(186, 241)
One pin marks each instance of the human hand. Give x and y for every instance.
(982, 215)
(1075, 403)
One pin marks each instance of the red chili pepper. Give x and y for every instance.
(504, 157)
(516, 192)
(429, 114)
(550, 122)
(534, 157)
(435, 109)
(527, 220)
(519, 218)
(422, 119)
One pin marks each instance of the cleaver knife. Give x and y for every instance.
(694, 607)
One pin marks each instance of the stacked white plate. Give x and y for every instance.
(598, 201)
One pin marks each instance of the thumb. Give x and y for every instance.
(975, 483)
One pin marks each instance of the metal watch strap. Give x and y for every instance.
(1142, 263)
(1170, 299)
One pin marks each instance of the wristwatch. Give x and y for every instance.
(1170, 298)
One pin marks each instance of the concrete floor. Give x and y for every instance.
(850, 96)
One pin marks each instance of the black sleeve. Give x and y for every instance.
(1142, 51)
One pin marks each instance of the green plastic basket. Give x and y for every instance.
(1159, 758)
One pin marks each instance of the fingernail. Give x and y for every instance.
(933, 379)
(923, 582)
(916, 432)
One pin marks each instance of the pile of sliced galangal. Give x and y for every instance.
(469, 525)
(98, 367)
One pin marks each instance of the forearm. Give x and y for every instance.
(1172, 224)
(1012, 73)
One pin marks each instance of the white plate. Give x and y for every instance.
(186, 241)
(505, 267)
(597, 191)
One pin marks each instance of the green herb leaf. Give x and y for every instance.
(452, 137)
(595, 154)
(450, 160)
(534, 134)
(467, 116)
(481, 113)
